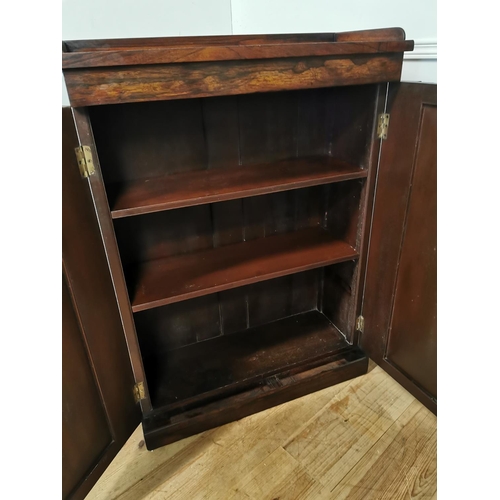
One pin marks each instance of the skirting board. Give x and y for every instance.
(421, 64)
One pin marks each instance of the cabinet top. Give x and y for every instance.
(138, 51)
(150, 69)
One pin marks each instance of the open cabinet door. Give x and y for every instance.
(399, 306)
(99, 411)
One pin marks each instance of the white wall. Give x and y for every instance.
(86, 19)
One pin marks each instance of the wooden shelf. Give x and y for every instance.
(224, 364)
(169, 280)
(208, 186)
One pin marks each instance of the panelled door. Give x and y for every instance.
(98, 408)
(399, 306)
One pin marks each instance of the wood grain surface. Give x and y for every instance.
(172, 279)
(120, 52)
(221, 184)
(400, 289)
(156, 55)
(155, 82)
(367, 438)
(381, 34)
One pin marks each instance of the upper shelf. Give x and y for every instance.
(106, 71)
(222, 184)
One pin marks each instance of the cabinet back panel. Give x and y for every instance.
(343, 206)
(148, 140)
(353, 111)
(268, 127)
(163, 234)
(151, 139)
(176, 325)
(276, 299)
(164, 328)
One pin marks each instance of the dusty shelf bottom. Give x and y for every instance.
(211, 383)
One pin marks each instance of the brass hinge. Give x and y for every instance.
(360, 324)
(85, 161)
(139, 391)
(383, 125)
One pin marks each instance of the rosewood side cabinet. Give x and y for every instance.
(245, 220)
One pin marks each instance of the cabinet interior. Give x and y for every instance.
(238, 221)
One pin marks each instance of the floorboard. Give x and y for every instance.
(367, 438)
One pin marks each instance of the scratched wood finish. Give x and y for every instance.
(154, 82)
(372, 440)
(240, 358)
(161, 428)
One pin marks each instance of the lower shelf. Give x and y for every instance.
(216, 381)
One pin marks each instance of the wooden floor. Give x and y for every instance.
(367, 438)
